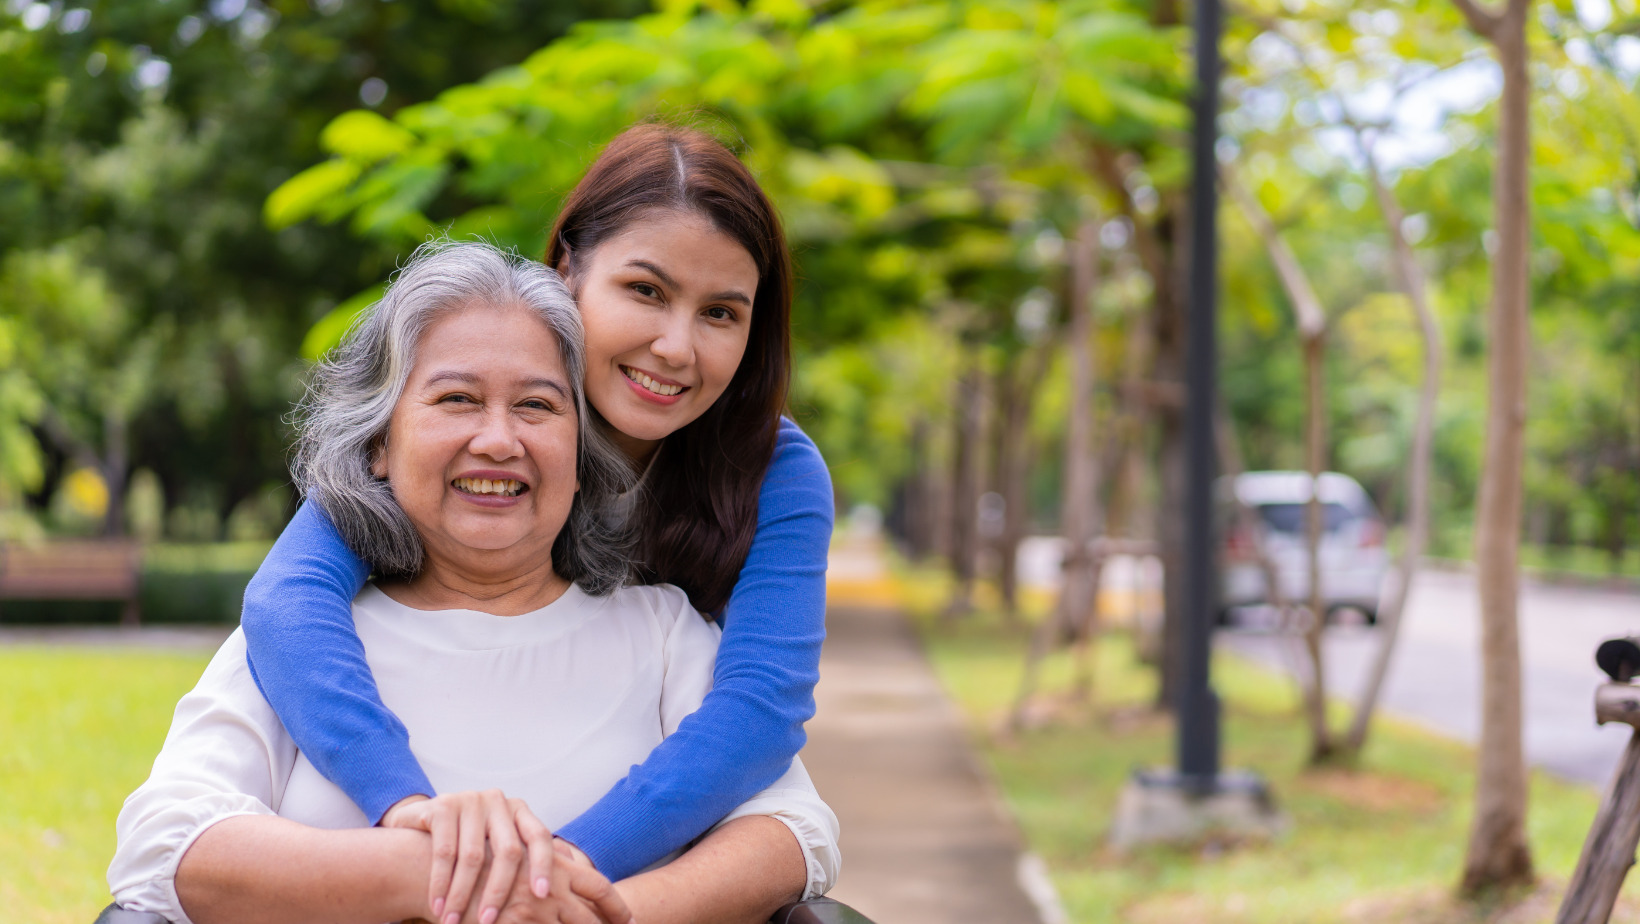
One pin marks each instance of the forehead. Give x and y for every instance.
(484, 337)
(680, 240)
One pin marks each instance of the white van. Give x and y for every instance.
(1353, 557)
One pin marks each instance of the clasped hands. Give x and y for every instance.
(529, 876)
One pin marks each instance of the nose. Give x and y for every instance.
(675, 343)
(497, 436)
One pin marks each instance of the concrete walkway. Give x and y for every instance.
(925, 839)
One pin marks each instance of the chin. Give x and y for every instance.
(646, 422)
(486, 541)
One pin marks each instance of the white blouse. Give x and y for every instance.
(553, 707)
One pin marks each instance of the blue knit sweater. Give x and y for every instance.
(309, 663)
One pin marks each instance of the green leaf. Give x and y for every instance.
(366, 136)
(308, 193)
(329, 330)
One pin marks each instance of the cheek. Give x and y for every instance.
(419, 449)
(603, 324)
(555, 458)
(725, 356)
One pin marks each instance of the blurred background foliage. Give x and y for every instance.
(199, 197)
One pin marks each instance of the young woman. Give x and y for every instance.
(681, 272)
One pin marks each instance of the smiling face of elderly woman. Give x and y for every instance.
(481, 448)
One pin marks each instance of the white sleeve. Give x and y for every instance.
(793, 800)
(691, 650)
(226, 754)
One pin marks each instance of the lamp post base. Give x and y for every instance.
(1163, 806)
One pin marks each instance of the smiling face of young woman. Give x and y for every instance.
(667, 308)
(481, 449)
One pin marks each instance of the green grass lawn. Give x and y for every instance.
(78, 731)
(1380, 842)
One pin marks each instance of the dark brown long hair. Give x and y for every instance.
(698, 517)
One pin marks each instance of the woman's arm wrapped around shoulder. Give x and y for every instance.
(790, 799)
(750, 726)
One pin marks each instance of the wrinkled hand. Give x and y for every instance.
(472, 832)
(580, 895)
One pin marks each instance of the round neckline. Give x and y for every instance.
(471, 629)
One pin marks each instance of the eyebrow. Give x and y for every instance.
(727, 295)
(467, 378)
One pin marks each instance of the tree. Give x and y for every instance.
(78, 344)
(1498, 854)
(1410, 278)
(1312, 324)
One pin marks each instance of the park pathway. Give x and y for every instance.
(925, 838)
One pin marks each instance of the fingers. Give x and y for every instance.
(506, 854)
(469, 856)
(591, 885)
(443, 816)
(537, 844)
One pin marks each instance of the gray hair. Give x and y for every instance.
(343, 419)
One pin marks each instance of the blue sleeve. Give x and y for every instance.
(750, 726)
(308, 661)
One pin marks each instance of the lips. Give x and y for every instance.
(490, 487)
(660, 387)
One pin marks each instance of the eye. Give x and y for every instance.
(541, 405)
(646, 290)
(457, 398)
(720, 313)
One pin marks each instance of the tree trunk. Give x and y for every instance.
(1315, 450)
(1166, 262)
(1311, 322)
(1080, 484)
(1168, 266)
(1009, 463)
(1411, 278)
(1081, 476)
(1018, 381)
(1172, 457)
(917, 505)
(968, 440)
(1498, 854)
(116, 465)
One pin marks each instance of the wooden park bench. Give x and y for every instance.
(108, 569)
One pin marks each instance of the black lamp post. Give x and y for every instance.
(1197, 797)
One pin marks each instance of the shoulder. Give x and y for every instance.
(797, 475)
(663, 603)
(793, 449)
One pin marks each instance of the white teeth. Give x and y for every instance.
(650, 384)
(505, 487)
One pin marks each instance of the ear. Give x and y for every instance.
(564, 262)
(378, 459)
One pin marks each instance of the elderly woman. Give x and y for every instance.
(448, 440)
